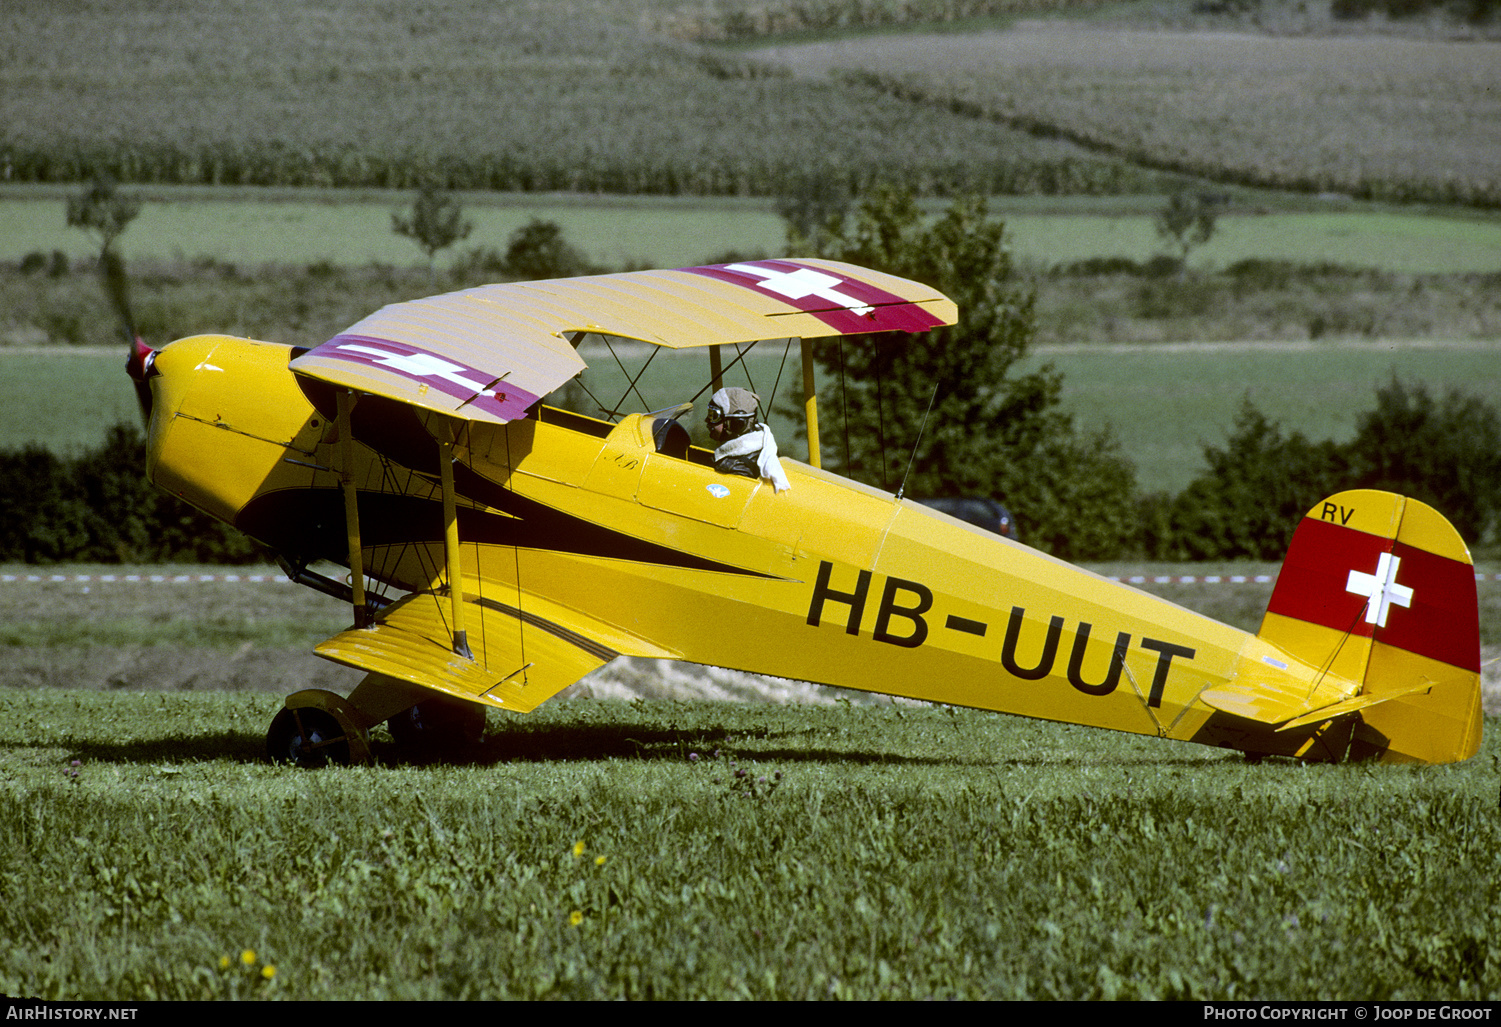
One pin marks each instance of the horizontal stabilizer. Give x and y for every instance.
(1268, 705)
(1265, 705)
(1359, 702)
(519, 660)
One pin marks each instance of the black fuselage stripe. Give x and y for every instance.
(598, 650)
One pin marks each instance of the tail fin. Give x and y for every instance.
(1379, 588)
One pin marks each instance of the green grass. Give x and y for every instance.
(349, 227)
(867, 853)
(1166, 403)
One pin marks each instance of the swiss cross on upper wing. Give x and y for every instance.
(849, 305)
(470, 385)
(1380, 588)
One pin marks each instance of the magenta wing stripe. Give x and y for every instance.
(849, 306)
(446, 375)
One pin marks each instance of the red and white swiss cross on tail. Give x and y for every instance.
(1374, 583)
(847, 304)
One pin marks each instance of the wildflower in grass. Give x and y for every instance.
(223, 962)
(599, 861)
(578, 849)
(267, 972)
(575, 918)
(248, 957)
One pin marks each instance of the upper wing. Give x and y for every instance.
(489, 353)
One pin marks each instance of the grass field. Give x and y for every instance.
(349, 227)
(681, 850)
(1167, 402)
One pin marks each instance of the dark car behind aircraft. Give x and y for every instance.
(986, 513)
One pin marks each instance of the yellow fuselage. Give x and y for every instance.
(831, 582)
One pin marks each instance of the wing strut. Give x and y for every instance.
(810, 405)
(716, 369)
(346, 400)
(451, 541)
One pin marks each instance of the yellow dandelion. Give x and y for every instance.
(248, 957)
(578, 849)
(599, 861)
(223, 962)
(268, 971)
(575, 918)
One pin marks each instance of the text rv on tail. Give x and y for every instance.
(499, 549)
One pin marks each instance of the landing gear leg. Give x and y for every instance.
(438, 723)
(318, 727)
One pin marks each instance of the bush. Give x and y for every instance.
(1257, 489)
(989, 432)
(537, 250)
(98, 507)
(1445, 452)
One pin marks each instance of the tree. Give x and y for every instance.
(436, 222)
(812, 205)
(990, 432)
(101, 211)
(538, 250)
(1445, 452)
(1186, 222)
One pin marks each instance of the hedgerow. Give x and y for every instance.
(98, 507)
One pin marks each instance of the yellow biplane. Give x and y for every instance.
(528, 545)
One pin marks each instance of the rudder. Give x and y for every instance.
(1380, 588)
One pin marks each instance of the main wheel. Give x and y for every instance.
(308, 737)
(438, 723)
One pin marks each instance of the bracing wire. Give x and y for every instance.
(630, 381)
(778, 383)
(920, 429)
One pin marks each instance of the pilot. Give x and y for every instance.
(745, 446)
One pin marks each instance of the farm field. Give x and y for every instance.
(606, 850)
(1164, 401)
(1375, 116)
(538, 95)
(300, 227)
(547, 95)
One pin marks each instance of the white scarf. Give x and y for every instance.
(758, 439)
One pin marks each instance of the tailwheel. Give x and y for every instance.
(438, 723)
(314, 729)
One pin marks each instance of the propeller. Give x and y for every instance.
(138, 363)
(140, 366)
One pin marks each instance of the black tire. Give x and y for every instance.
(308, 737)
